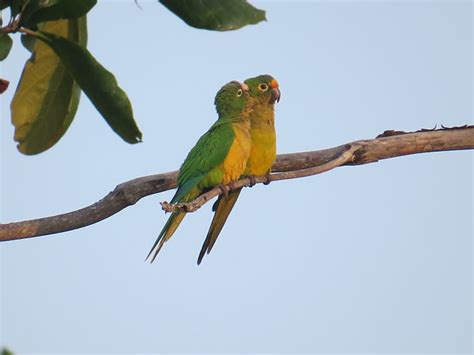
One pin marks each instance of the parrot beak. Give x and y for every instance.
(275, 96)
(275, 92)
(244, 87)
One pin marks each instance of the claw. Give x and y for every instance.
(225, 190)
(268, 176)
(253, 181)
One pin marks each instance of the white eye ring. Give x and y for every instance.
(239, 93)
(263, 87)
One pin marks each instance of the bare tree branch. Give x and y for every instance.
(288, 166)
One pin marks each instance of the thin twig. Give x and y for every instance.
(345, 156)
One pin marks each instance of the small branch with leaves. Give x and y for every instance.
(287, 166)
(55, 32)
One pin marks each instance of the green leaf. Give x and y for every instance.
(98, 84)
(28, 42)
(47, 97)
(16, 6)
(5, 45)
(50, 10)
(215, 15)
(5, 351)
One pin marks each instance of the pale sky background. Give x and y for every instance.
(368, 259)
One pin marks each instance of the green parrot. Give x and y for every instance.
(219, 157)
(265, 92)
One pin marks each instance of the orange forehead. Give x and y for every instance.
(274, 84)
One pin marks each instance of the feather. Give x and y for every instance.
(222, 208)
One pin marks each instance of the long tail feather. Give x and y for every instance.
(165, 234)
(222, 209)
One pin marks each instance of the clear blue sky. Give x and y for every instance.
(375, 258)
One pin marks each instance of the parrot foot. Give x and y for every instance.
(268, 176)
(253, 182)
(225, 190)
(231, 186)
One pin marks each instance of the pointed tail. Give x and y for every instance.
(165, 234)
(222, 208)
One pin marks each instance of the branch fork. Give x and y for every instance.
(221, 189)
(344, 157)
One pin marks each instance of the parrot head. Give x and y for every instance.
(232, 98)
(264, 88)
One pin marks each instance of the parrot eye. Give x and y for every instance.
(263, 87)
(239, 93)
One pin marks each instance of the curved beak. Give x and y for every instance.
(275, 96)
(275, 92)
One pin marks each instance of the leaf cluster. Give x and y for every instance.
(60, 65)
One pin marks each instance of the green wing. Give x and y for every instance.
(209, 152)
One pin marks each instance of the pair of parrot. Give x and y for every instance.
(242, 142)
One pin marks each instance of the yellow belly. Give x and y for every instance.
(236, 160)
(263, 152)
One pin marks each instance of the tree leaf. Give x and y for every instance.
(47, 97)
(98, 84)
(51, 10)
(4, 85)
(5, 45)
(4, 4)
(28, 42)
(16, 6)
(216, 15)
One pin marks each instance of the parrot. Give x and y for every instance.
(218, 158)
(265, 91)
